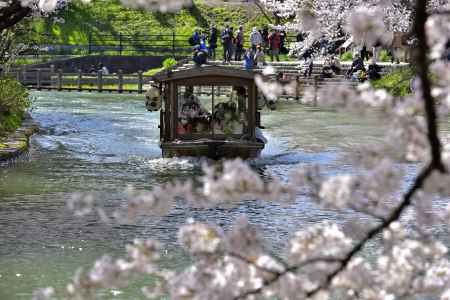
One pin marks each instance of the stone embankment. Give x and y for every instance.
(17, 142)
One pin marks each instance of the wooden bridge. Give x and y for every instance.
(56, 80)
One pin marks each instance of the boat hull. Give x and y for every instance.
(212, 149)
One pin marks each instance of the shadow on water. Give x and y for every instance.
(104, 143)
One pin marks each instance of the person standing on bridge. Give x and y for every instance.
(249, 59)
(195, 39)
(255, 38)
(265, 38)
(212, 42)
(203, 46)
(274, 43)
(239, 43)
(308, 66)
(227, 38)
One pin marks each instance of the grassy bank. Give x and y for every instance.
(398, 83)
(108, 17)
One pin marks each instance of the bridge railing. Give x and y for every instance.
(122, 44)
(50, 79)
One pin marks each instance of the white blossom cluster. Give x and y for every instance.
(367, 21)
(142, 258)
(403, 267)
(367, 26)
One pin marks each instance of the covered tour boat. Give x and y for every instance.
(207, 111)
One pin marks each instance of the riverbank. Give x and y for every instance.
(18, 141)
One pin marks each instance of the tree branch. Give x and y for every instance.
(440, 12)
(12, 14)
(422, 63)
(395, 216)
(263, 11)
(278, 275)
(421, 59)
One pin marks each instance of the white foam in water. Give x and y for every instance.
(175, 164)
(273, 146)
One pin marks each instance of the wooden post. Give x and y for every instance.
(140, 82)
(38, 79)
(120, 44)
(99, 81)
(120, 78)
(24, 76)
(79, 80)
(173, 43)
(315, 90)
(297, 88)
(90, 43)
(59, 83)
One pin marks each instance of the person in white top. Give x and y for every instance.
(255, 38)
(308, 66)
(103, 69)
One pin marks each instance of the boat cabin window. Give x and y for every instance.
(212, 110)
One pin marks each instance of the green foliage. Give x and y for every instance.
(166, 64)
(169, 62)
(398, 83)
(11, 122)
(14, 100)
(347, 56)
(385, 56)
(153, 71)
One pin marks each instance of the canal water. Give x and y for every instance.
(103, 143)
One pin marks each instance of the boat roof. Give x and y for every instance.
(204, 71)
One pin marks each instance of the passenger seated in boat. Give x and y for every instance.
(196, 116)
(183, 126)
(227, 120)
(241, 97)
(201, 125)
(193, 113)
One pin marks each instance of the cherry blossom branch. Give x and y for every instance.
(262, 10)
(395, 216)
(278, 275)
(422, 63)
(436, 163)
(256, 265)
(343, 262)
(367, 213)
(436, 160)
